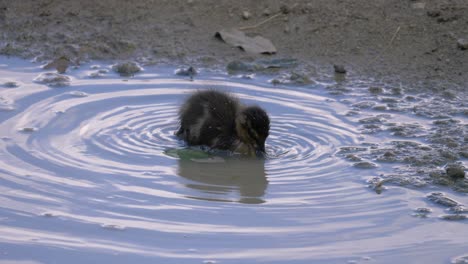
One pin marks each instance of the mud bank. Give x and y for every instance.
(419, 43)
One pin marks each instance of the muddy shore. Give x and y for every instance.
(417, 43)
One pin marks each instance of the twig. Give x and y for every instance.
(261, 23)
(394, 35)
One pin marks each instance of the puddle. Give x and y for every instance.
(100, 153)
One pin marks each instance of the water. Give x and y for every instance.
(90, 172)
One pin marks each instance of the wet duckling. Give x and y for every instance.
(218, 120)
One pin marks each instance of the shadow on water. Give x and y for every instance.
(218, 180)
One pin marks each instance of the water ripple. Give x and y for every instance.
(83, 161)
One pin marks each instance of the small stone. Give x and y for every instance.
(462, 43)
(365, 165)
(266, 12)
(246, 15)
(353, 157)
(455, 171)
(339, 68)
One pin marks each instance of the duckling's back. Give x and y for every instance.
(208, 118)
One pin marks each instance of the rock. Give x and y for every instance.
(455, 170)
(246, 15)
(462, 43)
(339, 69)
(442, 199)
(266, 12)
(127, 68)
(365, 165)
(53, 79)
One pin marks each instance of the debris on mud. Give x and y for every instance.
(237, 38)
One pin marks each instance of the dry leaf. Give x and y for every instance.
(238, 38)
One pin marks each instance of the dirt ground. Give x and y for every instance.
(415, 42)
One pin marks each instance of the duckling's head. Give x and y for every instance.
(252, 127)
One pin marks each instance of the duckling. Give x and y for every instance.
(218, 120)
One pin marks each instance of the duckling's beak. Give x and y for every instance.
(260, 150)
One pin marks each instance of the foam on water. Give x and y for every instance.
(85, 171)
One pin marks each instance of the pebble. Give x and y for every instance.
(365, 165)
(266, 12)
(246, 15)
(462, 43)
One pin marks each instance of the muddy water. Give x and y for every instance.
(90, 170)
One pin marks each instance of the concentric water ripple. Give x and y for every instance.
(78, 162)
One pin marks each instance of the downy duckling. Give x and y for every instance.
(218, 120)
